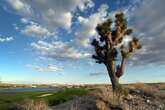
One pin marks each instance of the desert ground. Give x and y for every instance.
(138, 96)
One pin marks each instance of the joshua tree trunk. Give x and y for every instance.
(114, 80)
(111, 72)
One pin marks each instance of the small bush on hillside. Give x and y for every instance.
(32, 105)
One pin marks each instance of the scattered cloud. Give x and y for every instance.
(6, 39)
(24, 20)
(36, 30)
(52, 13)
(48, 69)
(59, 50)
(21, 7)
(87, 26)
(152, 27)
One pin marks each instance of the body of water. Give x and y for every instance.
(28, 89)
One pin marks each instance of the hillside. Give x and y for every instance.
(139, 97)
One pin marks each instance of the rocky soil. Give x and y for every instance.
(139, 97)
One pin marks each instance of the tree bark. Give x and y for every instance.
(120, 71)
(114, 79)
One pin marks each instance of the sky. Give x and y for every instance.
(48, 41)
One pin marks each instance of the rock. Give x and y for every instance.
(148, 101)
(130, 96)
(138, 91)
(160, 106)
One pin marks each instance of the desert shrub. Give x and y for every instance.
(122, 91)
(118, 95)
(32, 105)
(84, 103)
(147, 89)
(161, 86)
(101, 105)
(113, 101)
(105, 94)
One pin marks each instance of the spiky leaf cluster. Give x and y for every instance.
(111, 38)
(100, 55)
(104, 29)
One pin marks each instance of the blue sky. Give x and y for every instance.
(48, 41)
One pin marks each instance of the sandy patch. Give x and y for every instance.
(45, 95)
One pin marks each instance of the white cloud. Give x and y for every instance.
(36, 30)
(6, 39)
(87, 4)
(59, 50)
(66, 50)
(88, 25)
(24, 20)
(21, 7)
(48, 69)
(149, 19)
(51, 13)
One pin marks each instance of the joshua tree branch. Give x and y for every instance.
(99, 52)
(120, 69)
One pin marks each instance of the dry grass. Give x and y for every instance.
(109, 100)
(161, 86)
(101, 105)
(33, 105)
(105, 94)
(147, 89)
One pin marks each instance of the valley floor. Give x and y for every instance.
(137, 96)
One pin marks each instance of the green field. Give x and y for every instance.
(8, 100)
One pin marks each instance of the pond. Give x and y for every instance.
(28, 89)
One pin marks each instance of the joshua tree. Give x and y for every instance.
(110, 49)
